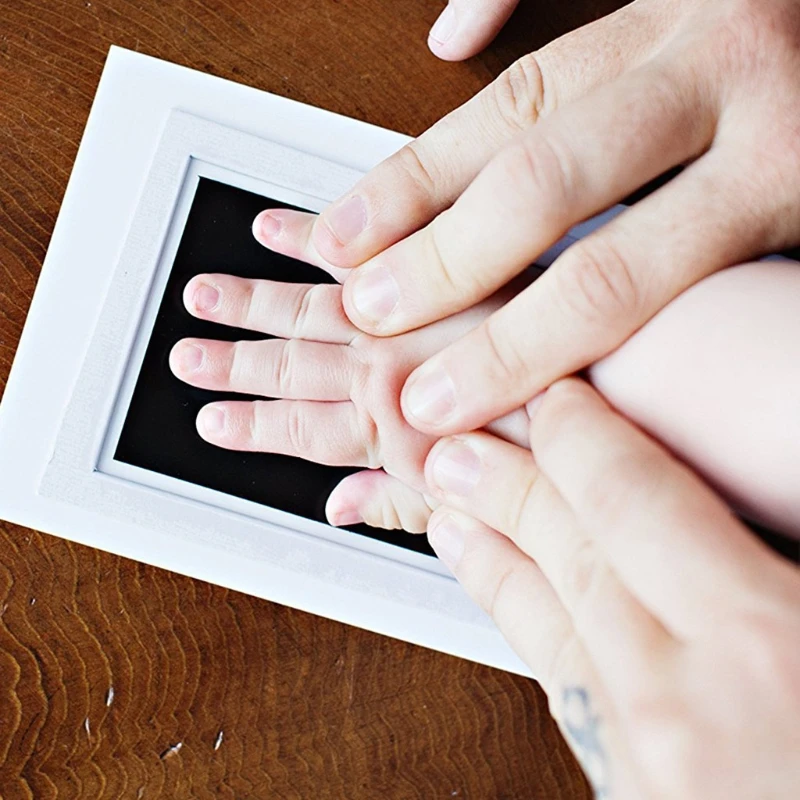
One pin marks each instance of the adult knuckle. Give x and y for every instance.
(754, 21)
(416, 172)
(666, 729)
(521, 506)
(446, 274)
(627, 481)
(498, 592)
(561, 408)
(753, 36)
(508, 361)
(663, 733)
(769, 174)
(764, 642)
(657, 93)
(596, 283)
(539, 172)
(565, 397)
(520, 93)
(580, 573)
(438, 264)
(558, 671)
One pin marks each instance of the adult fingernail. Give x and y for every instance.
(444, 27)
(375, 293)
(191, 357)
(456, 468)
(266, 226)
(212, 420)
(346, 220)
(347, 516)
(205, 297)
(447, 540)
(430, 397)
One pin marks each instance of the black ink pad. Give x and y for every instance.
(159, 430)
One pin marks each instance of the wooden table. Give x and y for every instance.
(118, 680)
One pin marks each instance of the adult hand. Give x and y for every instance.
(663, 632)
(565, 133)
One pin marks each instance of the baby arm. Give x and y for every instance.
(715, 376)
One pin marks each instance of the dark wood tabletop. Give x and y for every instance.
(118, 680)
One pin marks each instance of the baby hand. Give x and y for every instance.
(337, 389)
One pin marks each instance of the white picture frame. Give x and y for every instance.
(154, 129)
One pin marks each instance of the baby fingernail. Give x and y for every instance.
(456, 468)
(205, 298)
(191, 357)
(346, 517)
(375, 293)
(447, 540)
(212, 420)
(431, 397)
(266, 226)
(346, 220)
(444, 27)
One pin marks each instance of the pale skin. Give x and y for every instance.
(655, 621)
(564, 133)
(713, 376)
(664, 634)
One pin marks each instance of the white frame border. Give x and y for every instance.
(48, 478)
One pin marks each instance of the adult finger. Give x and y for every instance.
(671, 540)
(511, 588)
(465, 27)
(287, 310)
(380, 500)
(499, 483)
(596, 294)
(326, 433)
(552, 177)
(292, 369)
(423, 178)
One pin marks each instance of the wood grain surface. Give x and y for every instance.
(118, 680)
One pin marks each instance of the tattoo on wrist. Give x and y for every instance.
(583, 728)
